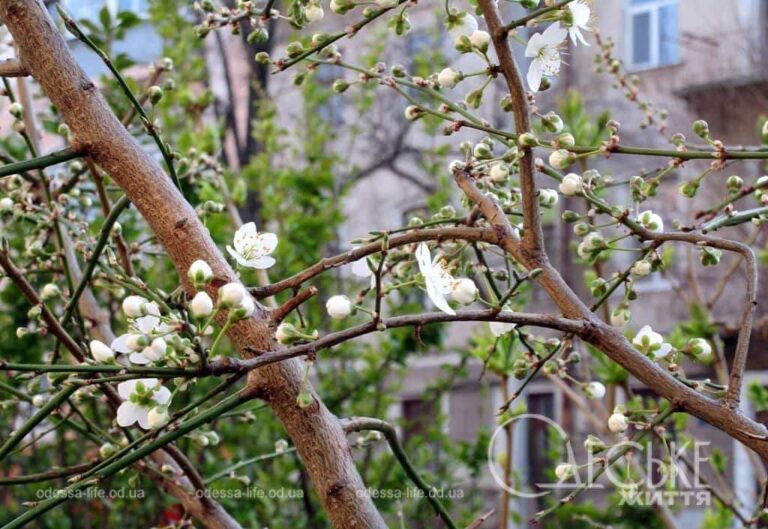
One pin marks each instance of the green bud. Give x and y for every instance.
(569, 216)
(258, 36)
(506, 104)
(527, 139)
(690, 188)
(701, 128)
(710, 256)
(340, 86)
(552, 122)
(520, 369)
(155, 94)
(304, 399)
(262, 57)
(474, 98)
(294, 49)
(734, 184)
(593, 444)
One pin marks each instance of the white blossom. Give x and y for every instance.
(500, 328)
(448, 77)
(154, 352)
(140, 396)
(465, 25)
(338, 307)
(436, 278)
(571, 185)
(579, 14)
(6, 204)
(651, 221)
(620, 316)
(101, 352)
(412, 112)
(542, 48)
(252, 248)
(649, 341)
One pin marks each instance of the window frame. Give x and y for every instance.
(652, 8)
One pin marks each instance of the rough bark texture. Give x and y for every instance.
(315, 431)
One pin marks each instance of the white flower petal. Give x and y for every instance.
(535, 71)
(126, 389)
(162, 395)
(128, 413)
(120, 345)
(262, 263)
(554, 34)
(146, 324)
(139, 359)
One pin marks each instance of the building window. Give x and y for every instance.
(653, 33)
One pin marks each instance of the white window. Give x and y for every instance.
(653, 33)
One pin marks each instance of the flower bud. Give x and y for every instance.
(734, 183)
(16, 110)
(570, 216)
(201, 306)
(571, 185)
(594, 390)
(101, 352)
(480, 40)
(106, 450)
(304, 399)
(155, 94)
(49, 291)
(561, 158)
(133, 306)
(565, 139)
(527, 139)
(701, 128)
(689, 188)
(231, 295)
(710, 256)
(552, 122)
(448, 77)
(565, 471)
(244, 309)
(593, 444)
(200, 274)
(499, 172)
(413, 112)
(6, 204)
(520, 369)
(338, 307)
(618, 422)
(340, 86)
(287, 333)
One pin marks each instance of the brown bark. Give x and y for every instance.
(315, 431)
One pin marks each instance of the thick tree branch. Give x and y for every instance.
(315, 431)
